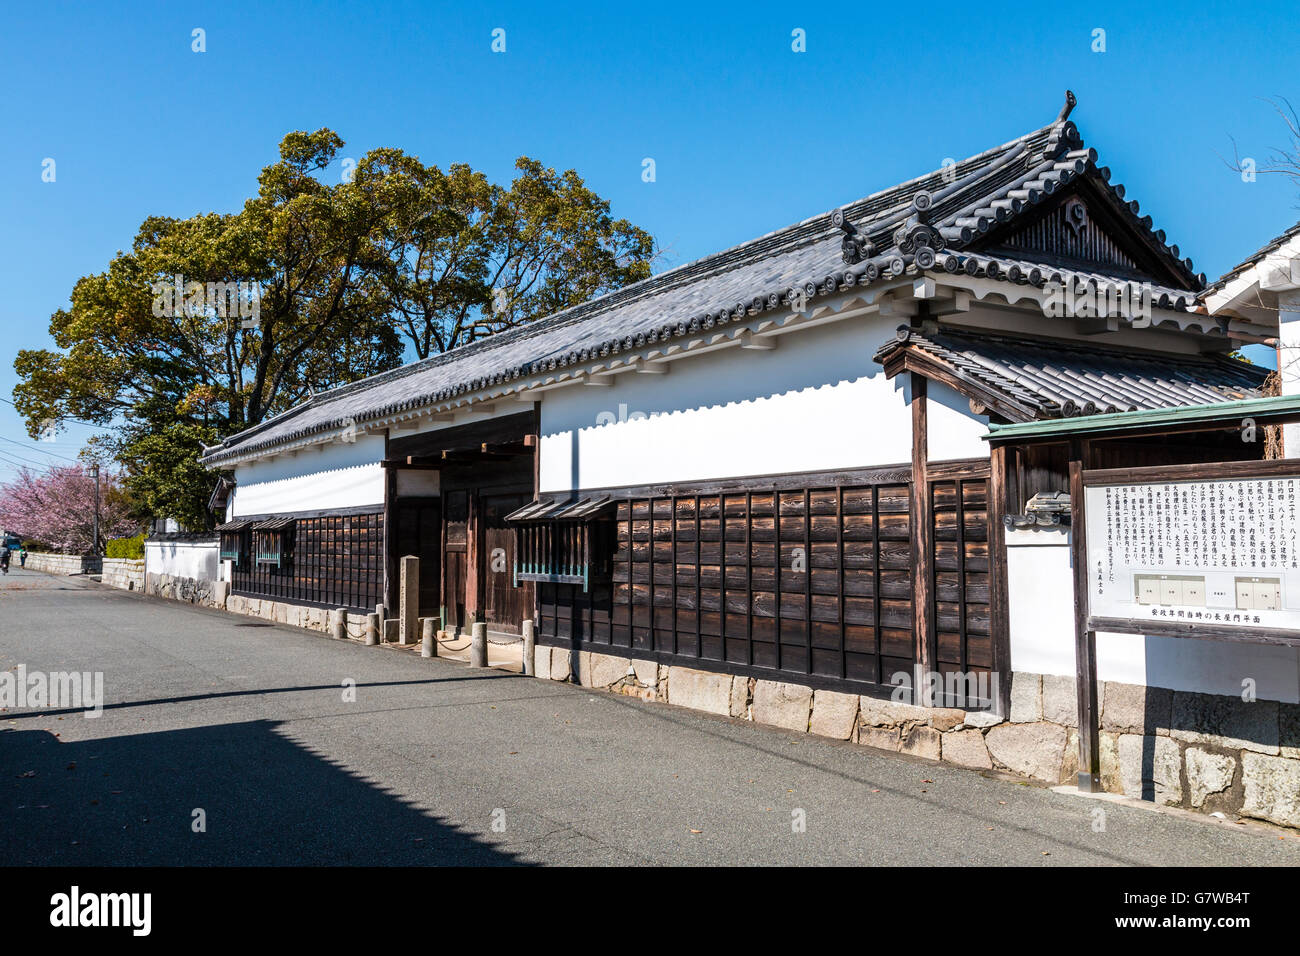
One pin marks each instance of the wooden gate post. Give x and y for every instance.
(922, 545)
(1085, 639)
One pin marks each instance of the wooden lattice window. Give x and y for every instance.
(568, 542)
(234, 542)
(273, 543)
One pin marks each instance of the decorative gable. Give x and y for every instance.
(1084, 230)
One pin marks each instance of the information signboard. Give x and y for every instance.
(1214, 552)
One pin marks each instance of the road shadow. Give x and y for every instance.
(266, 801)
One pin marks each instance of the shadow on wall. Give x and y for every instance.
(129, 800)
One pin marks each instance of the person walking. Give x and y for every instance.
(22, 556)
(4, 556)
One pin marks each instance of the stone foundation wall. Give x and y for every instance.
(124, 573)
(190, 590)
(217, 594)
(296, 615)
(1199, 751)
(59, 563)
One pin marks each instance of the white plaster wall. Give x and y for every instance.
(952, 430)
(186, 559)
(335, 475)
(816, 402)
(1040, 591)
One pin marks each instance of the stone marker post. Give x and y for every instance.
(428, 636)
(478, 653)
(372, 629)
(409, 600)
(530, 650)
(339, 624)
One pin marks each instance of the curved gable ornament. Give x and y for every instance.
(1075, 214)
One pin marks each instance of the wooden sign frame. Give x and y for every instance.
(1087, 626)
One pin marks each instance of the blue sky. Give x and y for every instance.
(747, 135)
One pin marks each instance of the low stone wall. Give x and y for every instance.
(59, 563)
(217, 594)
(1199, 751)
(124, 573)
(296, 615)
(190, 590)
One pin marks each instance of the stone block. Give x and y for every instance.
(875, 712)
(945, 718)
(1135, 709)
(966, 748)
(1289, 730)
(700, 690)
(647, 672)
(1207, 774)
(779, 704)
(834, 714)
(922, 741)
(882, 738)
(542, 662)
(982, 718)
(1272, 786)
(742, 691)
(601, 670)
(1150, 768)
(1060, 700)
(1034, 750)
(561, 663)
(1227, 722)
(1026, 698)
(1108, 747)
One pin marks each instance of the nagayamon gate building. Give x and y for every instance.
(770, 482)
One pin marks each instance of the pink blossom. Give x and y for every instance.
(57, 508)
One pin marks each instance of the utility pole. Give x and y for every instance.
(94, 548)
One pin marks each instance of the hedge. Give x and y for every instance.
(126, 547)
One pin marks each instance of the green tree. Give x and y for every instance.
(463, 258)
(160, 351)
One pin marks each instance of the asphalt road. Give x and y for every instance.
(435, 763)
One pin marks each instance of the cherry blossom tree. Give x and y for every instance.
(57, 508)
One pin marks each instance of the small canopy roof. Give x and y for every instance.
(562, 509)
(272, 524)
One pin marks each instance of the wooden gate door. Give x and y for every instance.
(506, 605)
(419, 532)
(455, 553)
(961, 640)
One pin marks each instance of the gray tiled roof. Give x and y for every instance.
(1254, 259)
(931, 224)
(1047, 379)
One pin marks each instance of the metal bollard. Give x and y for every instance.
(478, 653)
(530, 650)
(428, 637)
(372, 629)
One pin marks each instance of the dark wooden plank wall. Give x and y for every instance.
(335, 562)
(962, 591)
(811, 582)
